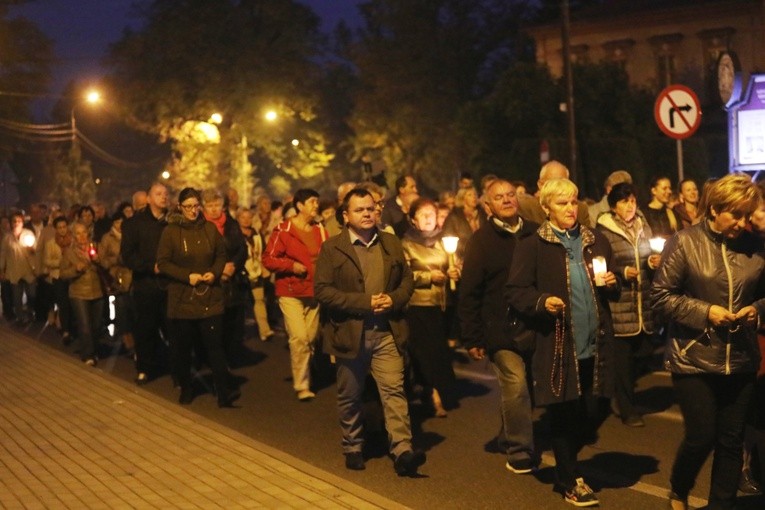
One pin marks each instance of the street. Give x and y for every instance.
(628, 467)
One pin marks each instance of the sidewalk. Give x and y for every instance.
(74, 437)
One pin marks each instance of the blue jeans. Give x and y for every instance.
(88, 314)
(517, 435)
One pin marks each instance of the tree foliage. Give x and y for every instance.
(238, 58)
(26, 55)
(419, 63)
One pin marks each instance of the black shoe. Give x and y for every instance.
(747, 484)
(187, 395)
(407, 463)
(66, 339)
(354, 461)
(142, 378)
(229, 398)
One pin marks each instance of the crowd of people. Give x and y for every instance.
(568, 299)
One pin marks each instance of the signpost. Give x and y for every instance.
(678, 114)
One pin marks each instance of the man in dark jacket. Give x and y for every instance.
(363, 283)
(394, 212)
(140, 238)
(486, 328)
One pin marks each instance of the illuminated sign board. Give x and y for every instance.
(746, 127)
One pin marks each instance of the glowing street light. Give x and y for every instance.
(93, 96)
(295, 142)
(270, 115)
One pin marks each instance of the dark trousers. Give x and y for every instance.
(88, 313)
(20, 289)
(61, 298)
(714, 409)
(572, 425)
(43, 299)
(6, 294)
(185, 333)
(625, 350)
(233, 331)
(150, 324)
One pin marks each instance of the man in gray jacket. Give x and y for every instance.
(363, 283)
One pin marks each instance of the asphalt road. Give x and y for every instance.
(628, 467)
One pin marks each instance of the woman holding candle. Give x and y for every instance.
(551, 288)
(428, 347)
(711, 288)
(633, 264)
(78, 266)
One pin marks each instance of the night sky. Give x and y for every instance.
(83, 29)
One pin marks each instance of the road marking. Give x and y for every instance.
(644, 488)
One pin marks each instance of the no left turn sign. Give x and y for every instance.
(677, 111)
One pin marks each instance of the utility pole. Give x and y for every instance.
(566, 37)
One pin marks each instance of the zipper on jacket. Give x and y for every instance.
(730, 303)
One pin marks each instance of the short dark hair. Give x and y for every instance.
(401, 182)
(302, 195)
(59, 219)
(620, 192)
(419, 204)
(187, 193)
(85, 208)
(466, 175)
(355, 192)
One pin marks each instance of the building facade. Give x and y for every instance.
(661, 42)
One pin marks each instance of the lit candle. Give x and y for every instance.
(657, 244)
(599, 269)
(450, 245)
(27, 239)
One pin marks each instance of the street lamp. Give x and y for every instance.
(270, 115)
(91, 97)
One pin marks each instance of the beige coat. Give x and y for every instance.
(83, 284)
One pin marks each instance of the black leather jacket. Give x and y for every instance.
(700, 268)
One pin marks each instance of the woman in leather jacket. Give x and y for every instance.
(710, 288)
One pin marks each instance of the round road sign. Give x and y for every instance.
(677, 111)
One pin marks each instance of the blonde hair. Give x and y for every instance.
(459, 198)
(734, 192)
(211, 195)
(557, 188)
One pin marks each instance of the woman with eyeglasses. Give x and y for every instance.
(192, 253)
(711, 289)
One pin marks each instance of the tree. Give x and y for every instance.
(24, 73)
(419, 63)
(237, 58)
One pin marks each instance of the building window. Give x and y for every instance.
(665, 50)
(619, 51)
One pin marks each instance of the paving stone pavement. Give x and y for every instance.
(74, 437)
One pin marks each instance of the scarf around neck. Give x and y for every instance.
(428, 239)
(219, 223)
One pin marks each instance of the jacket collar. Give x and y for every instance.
(608, 221)
(546, 233)
(345, 246)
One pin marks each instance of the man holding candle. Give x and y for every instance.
(18, 264)
(486, 330)
(551, 289)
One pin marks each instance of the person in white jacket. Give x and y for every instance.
(18, 264)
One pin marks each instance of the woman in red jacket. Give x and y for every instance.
(291, 255)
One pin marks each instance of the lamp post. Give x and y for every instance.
(91, 97)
